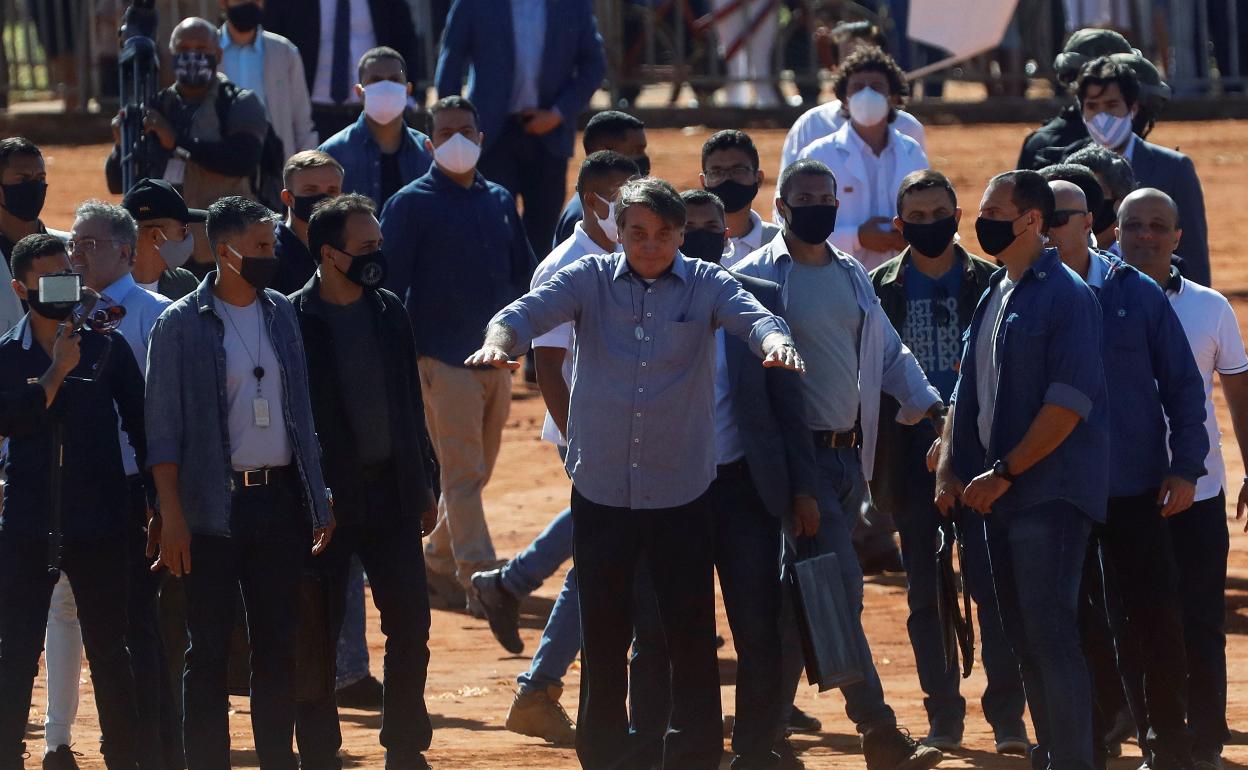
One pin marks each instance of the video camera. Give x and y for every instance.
(139, 73)
(65, 289)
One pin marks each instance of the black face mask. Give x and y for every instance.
(706, 245)
(735, 195)
(812, 224)
(192, 68)
(1104, 217)
(55, 311)
(643, 164)
(245, 17)
(257, 271)
(305, 203)
(996, 235)
(24, 200)
(930, 239)
(367, 270)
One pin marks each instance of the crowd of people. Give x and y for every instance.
(258, 410)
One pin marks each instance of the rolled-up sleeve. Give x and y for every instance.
(1074, 356)
(163, 399)
(741, 315)
(555, 302)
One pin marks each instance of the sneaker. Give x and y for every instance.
(365, 694)
(788, 756)
(889, 748)
(61, 759)
(502, 609)
(1012, 745)
(943, 741)
(538, 713)
(445, 592)
(801, 722)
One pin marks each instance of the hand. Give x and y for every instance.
(780, 351)
(322, 536)
(65, 349)
(933, 455)
(539, 122)
(153, 534)
(1242, 504)
(155, 123)
(877, 234)
(805, 516)
(1180, 492)
(984, 490)
(489, 355)
(175, 542)
(429, 519)
(948, 489)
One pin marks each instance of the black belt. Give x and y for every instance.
(737, 469)
(260, 477)
(831, 439)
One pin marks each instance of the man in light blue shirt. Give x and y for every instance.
(641, 437)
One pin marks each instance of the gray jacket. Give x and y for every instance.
(286, 94)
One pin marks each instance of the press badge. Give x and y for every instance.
(175, 171)
(260, 411)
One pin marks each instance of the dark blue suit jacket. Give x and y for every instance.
(771, 417)
(479, 38)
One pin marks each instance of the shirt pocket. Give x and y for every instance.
(680, 343)
(1024, 338)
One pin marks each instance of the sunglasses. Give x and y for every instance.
(1062, 216)
(104, 320)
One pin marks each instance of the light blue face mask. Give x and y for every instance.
(1109, 131)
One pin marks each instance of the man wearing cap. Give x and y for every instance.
(1067, 126)
(165, 239)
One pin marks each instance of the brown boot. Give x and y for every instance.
(539, 714)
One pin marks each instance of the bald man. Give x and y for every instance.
(1148, 233)
(208, 133)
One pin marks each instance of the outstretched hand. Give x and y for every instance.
(780, 351)
(492, 356)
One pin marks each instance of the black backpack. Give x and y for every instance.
(266, 183)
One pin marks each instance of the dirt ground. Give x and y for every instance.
(471, 679)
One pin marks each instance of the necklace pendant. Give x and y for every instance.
(259, 372)
(639, 333)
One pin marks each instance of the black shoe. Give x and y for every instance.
(788, 756)
(416, 763)
(61, 759)
(364, 694)
(883, 563)
(888, 748)
(502, 609)
(801, 722)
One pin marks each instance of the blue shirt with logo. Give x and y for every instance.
(931, 328)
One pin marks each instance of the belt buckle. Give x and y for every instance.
(264, 478)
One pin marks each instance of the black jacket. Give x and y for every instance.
(416, 468)
(891, 474)
(300, 22)
(1061, 131)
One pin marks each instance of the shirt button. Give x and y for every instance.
(641, 390)
(648, 315)
(643, 363)
(634, 465)
(649, 291)
(636, 441)
(1122, 312)
(1041, 274)
(647, 339)
(637, 414)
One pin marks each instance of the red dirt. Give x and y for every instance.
(471, 679)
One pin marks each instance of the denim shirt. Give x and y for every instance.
(360, 155)
(1149, 369)
(1050, 347)
(187, 408)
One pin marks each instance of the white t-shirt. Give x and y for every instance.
(1213, 333)
(247, 345)
(987, 366)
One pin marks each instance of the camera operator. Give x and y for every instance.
(65, 480)
(252, 501)
(211, 133)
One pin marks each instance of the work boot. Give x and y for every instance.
(501, 607)
(538, 713)
(61, 759)
(888, 748)
(445, 592)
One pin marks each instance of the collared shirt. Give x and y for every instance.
(1213, 333)
(1097, 268)
(188, 408)
(94, 495)
(884, 364)
(360, 155)
(363, 37)
(1128, 151)
(456, 256)
(143, 307)
(1049, 345)
(642, 417)
(563, 335)
(825, 120)
(244, 64)
(528, 26)
(760, 233)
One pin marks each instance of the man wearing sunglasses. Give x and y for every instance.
(1158, 403)
(102, 246)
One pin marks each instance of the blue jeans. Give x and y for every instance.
(842, 491)
(352, 642)
(1037, 557)
(560, 643)
(918, 523)
(525, 573)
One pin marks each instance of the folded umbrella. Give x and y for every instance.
(953, 602)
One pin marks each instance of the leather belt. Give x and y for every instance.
(831, 439)
(259, 477)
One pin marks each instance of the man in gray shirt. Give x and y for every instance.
(641, 453)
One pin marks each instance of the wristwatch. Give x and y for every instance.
(1000, 468)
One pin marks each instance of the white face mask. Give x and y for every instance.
(608, 226)
(868, 107)
(384, 100)
(1109, 131)
(458, 154)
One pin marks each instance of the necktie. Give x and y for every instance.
(340, 75)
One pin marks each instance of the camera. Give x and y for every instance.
(65, 289)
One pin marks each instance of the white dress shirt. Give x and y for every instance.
(363, 37)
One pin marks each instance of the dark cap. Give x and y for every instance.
(1083, 46)
(156, 199)
(1153, 90)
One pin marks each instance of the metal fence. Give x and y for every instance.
(681, 52)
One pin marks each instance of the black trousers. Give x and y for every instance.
(269, 540)
(391, 552)
(607, 543)
(521, 163)
(1201, 542)
(97, 572)
(1137, 553)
